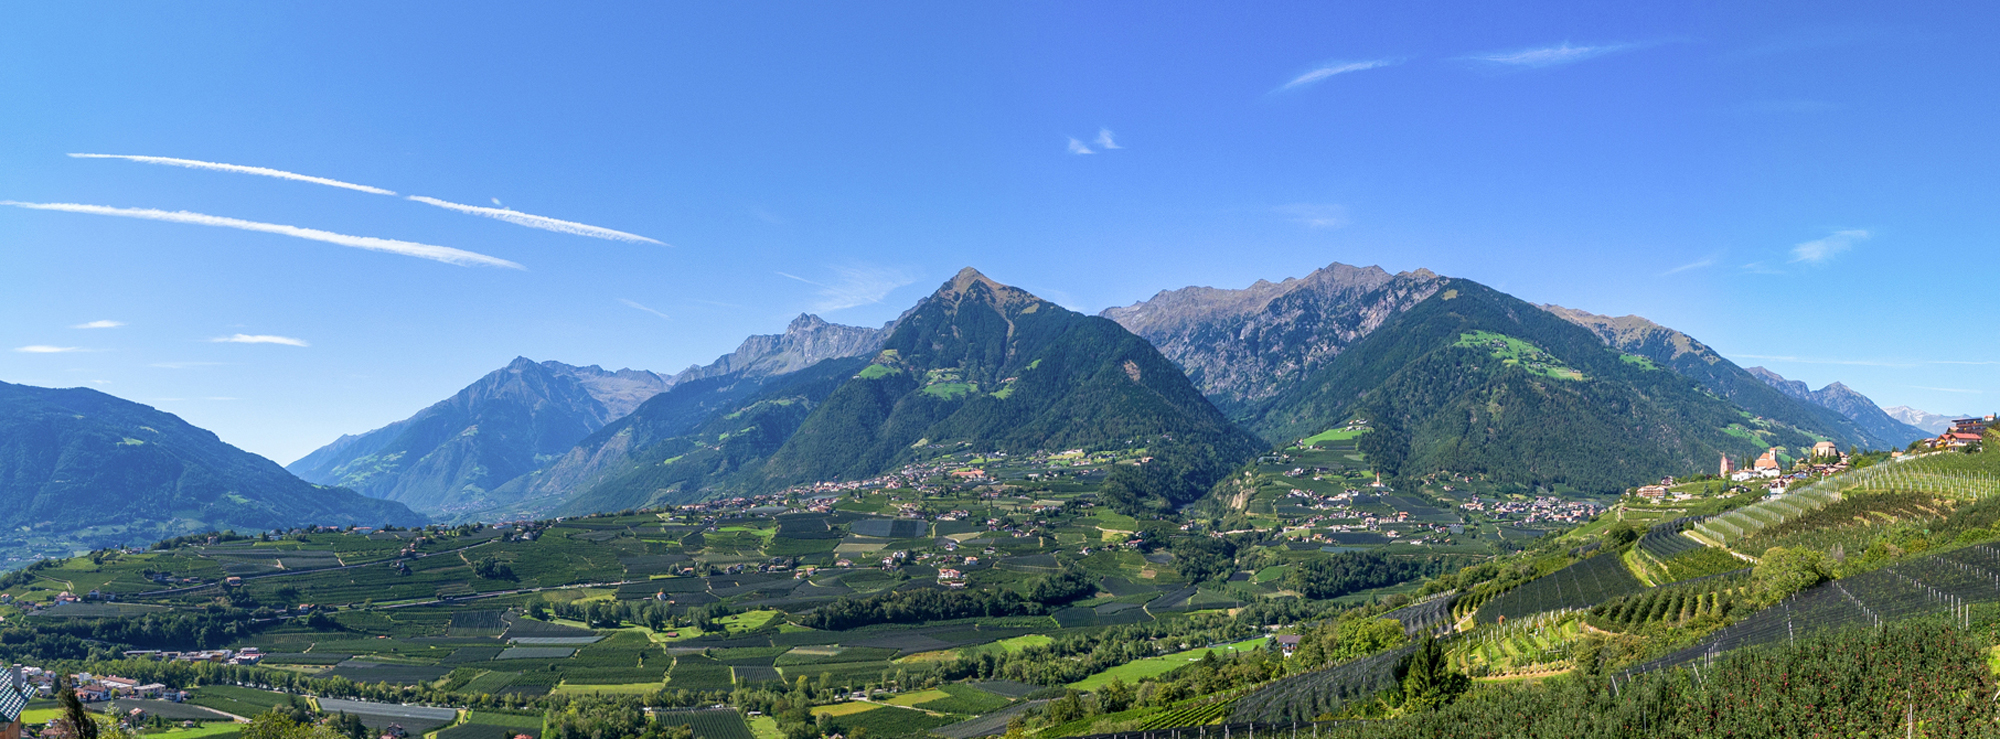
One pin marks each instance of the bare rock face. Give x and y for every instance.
(1241, 346)
(808, 340)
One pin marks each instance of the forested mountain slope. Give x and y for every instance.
(691, 443)
(1885, 429)
(102, 471)
(531, 429)
(1746, 388)
(1243, 347)
(1474, 381)
(448, 456)
(976, 365)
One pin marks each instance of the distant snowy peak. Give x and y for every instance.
(1935, 423)
(1846, 401)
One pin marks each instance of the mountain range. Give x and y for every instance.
(976, 365)
(1269, 357)
(505, 425)
(82, 470)
(516, 430)
(1884, 430)
(1458, 378)
(1455, 377)
(1243, 347)
(1840, 414)
(1930, 423)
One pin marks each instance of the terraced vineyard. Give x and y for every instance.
(1192, 714)
(1944, 584)
(1580, 585)
(1304, 696)
(1433, 615)
(1665, 542)
(1530, 644)
(1737, 525)
(1715, 597)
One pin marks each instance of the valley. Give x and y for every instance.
(996, 516)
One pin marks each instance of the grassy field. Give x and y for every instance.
(1131, 672)
(245, 702)
(921, 696)
(1339, 434)
(845, 709)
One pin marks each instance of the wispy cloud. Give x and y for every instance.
(1548, 56)
(1819, 250)
(544, 223)
(238, 169)
(1949, 389)
(46, 349)
(258, 339)
(100, 324)
(1105, 141)
(1329, 69)
(855, 286)
(444, 254)
(1697, 264)
(1077, 147)
(635, 304)
(1314, 215)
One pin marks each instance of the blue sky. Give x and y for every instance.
(1807, 186)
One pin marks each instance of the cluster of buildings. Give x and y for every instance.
(1964, 432)
(35, 681)
(1539, 509)
(244, 656)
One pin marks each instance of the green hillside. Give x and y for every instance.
(86, 470)
(1472, 381)
(986, 366)
(447, 457)
(1682, 353)
(976, 366)
(717, 454)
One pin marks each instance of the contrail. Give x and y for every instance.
(542, 222)
(444, 254)
(239, 169)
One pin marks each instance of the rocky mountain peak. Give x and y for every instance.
(806, 322)
(1243, 345)
(970, 284)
